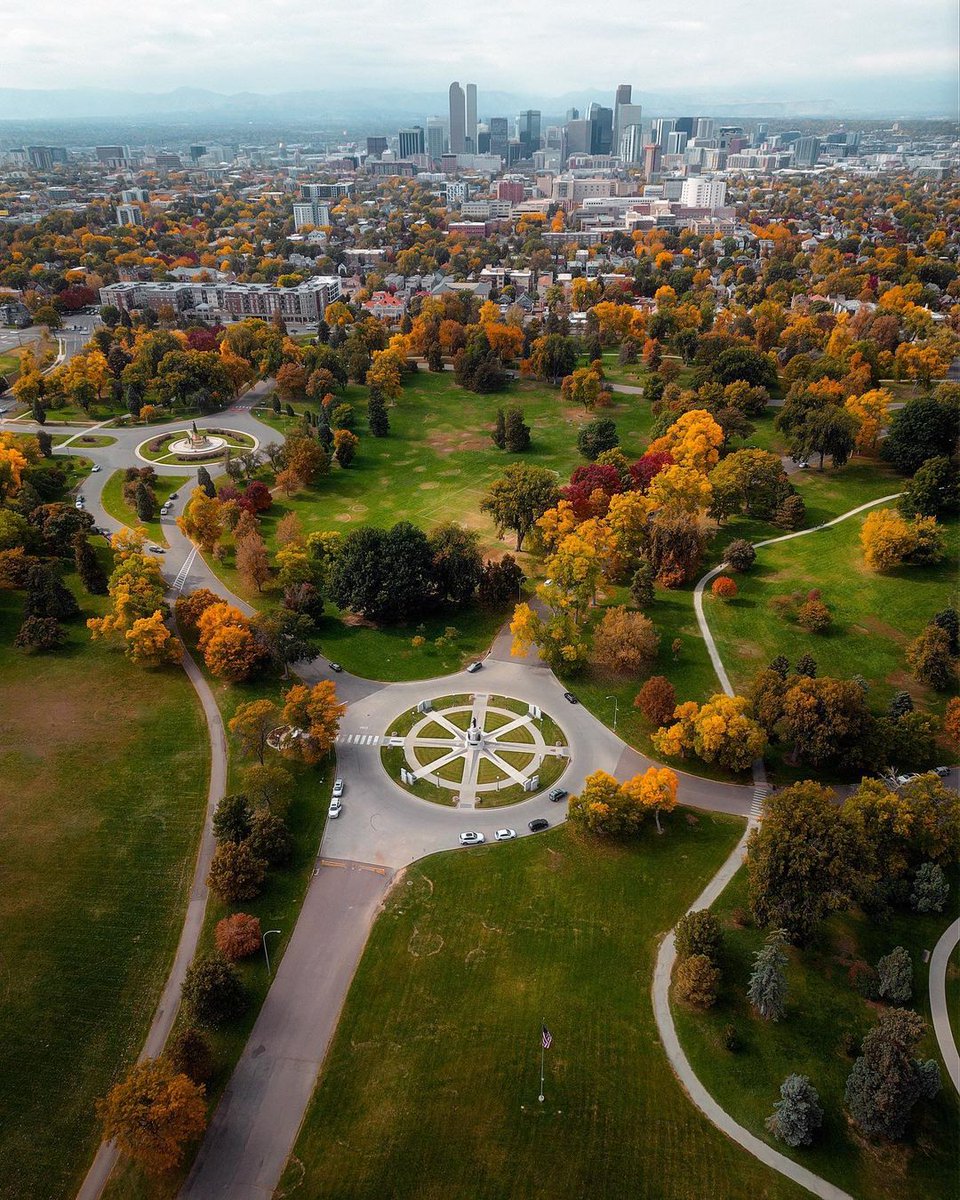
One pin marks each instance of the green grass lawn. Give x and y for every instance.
(430, 1087)
(105, 776)
(277, 907)
(92, 440)
(876, 614)
(953, 992)
(116, 506)
(822, 1008)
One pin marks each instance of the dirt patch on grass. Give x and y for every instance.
(450, 440)
(429, 486)
(356, 620)
(876, 626)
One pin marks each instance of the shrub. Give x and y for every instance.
(814, 616)
(895, 977)
(740, 555)
(212, 992)
(238, 936)
(657, 700)
(697, 981)
(236, 873)
(724, 588)
(930, 889)
(781, 606)
(863, 979)
(699, 932)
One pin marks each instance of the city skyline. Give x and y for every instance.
(867, 49)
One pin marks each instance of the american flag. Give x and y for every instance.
(546, 1037)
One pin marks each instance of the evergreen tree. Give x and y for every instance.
(40, 633)
(949, 621)
(499, 434)
(641, 586)
(781, 666)
(377, 413)
(45, 442)
(768, 983)
(92, 575)
(46, 595)
(232, 819)
(930, 888)
(900, 705)
(39, 412)
(798, 1114)
(517, 432)
(145, 502)
(435, 357)
(895, 976)
(807, 665)
(204, 481)
(887, 1081)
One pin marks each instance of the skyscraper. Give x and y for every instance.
(622, 98)
(662, 128)
(685, 125)
(528, 131)
(676, 142)
(806, 151)
(631, 143)
(499, 136)
(436, 136)
(651, 161)
(601, 129)
(411, 141)
(705, 128)
(470, 133)
(458, 119)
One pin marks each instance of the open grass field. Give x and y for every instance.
(116, 506)
(430, 1087)
(91, 440)
(822, 1008)
(876, 614)
(105, 775)
(277, 906)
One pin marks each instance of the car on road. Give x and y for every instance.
(505, 835)
(174, 496)
(908, 777)
(79, 503)
(471, 838)
(943, 772)
(335, 809)
(538, 824)
(557, 794)
(164, 509)
(337, 789)
(336, 667)
(570, 698)
(474, 667)
(96, 467)
(156, 550)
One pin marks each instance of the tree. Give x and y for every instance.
(583, 386)
(231, 651)
(40, 633)
(46, 595)
(596, 436)
(740, 555)
(235, 872)
(518, 499)
(456, 562)
(887, 1081)
(798, 1114)
(752, 482)
(202, 519)
(930, 660)
(150, 643)
(768, 981)
(92, 575)
(724, 588)
(624, 641)
(697, 981)
(316, 713)
(699, 932)
(641, 586)
(655, 789)
(286, 637)
(270, 838)
(826, 720)
(552, 357)
(384, 574)
(693, 440)
(948, 619)
(676, 547)
(253, 561)
(377, 419)
(814, 616)
(930, 889)
(517, 434)
(934, 491)
(719, 731)
(205, 482)
(791, 513)
(920, 431)
(828, 430)
(886, 539)
(500, 582)
(189, 1053)
(951, 720)
(499, 434)
(232, 818)
(801, 861)
(895, 977)
(152, 1114)
(268, 785)
(657, 700)
(742, 362)
(604, 807)
(237, 936)
(212, 992)
(344, 446)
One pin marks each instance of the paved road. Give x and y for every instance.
(256, 1123)
(939, 1012)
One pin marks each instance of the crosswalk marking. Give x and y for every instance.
(358, 739)
(759, 795)
(181, 578)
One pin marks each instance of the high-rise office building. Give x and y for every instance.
(676, 142)
(662, 128)
(436, 137)
(528, 132)
(651, 161)
(631, 143)
(577, 136)
(621, 100)
(685, 125)
(412, 141)
(806, 151)
(573, 114)
(760, 135)
(700, 192)
(601, 131)
(458, 119)
(471, 125)
(499, 136)
(376, 146)
(705, 128)
(629, 115)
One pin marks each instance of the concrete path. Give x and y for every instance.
(939, 1012)
(163, 1018)
(256, 1123)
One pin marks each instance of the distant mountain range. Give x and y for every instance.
(865, 98)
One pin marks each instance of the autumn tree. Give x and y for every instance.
(657, 700)
(930, 660)
(697, 981)
(152, 1114)
(624, 641)
(724, 588)
(316, 713)
(235, 872)
(202, 520)
(719, 731)
(150, 643)
(253, 561)
(251, 724)
(237, 936)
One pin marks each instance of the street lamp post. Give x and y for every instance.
(616, 706)
(265, 954)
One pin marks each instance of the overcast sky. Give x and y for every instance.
(783, 48)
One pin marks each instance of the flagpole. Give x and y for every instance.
(543, 1051)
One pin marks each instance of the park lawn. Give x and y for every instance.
(85, 440)
(875, 614)
(105, 776)
(113, 501)
(430, 1087)
(10, 367)
(822, 1008)
(277, 907)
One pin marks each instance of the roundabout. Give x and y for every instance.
(195, 445)
(475, 751)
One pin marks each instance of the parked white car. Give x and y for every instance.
(471, 838)
(505, 835)
(336, 806)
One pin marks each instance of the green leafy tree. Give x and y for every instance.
(377, 417)
(699, 932)
(213, 993)
(697, 981)
(189, 1053)
(518, 499)
(235, 872)
(596, 436)
(930, 889)
(517, 433)
(232, 818)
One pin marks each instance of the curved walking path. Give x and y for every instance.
(939, 1012)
